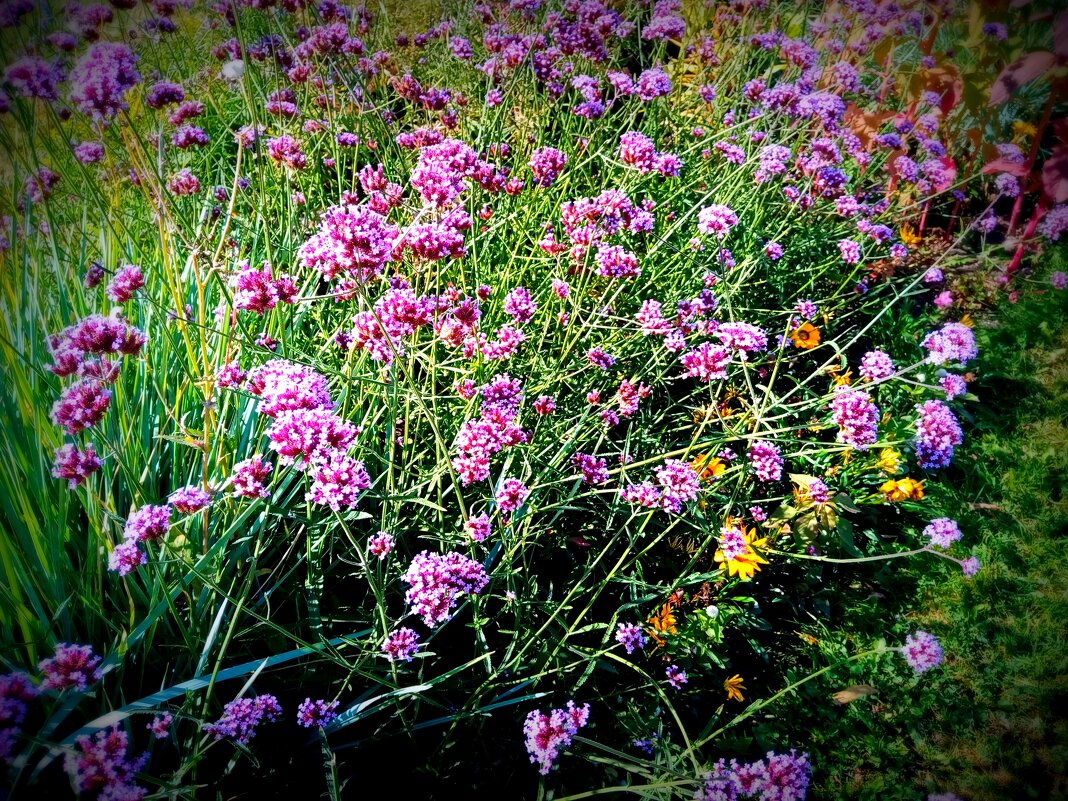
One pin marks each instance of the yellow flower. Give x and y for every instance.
(747, 564)
(708, 466)
(889, 460)
(806, 336)
(1020, 129)
(905, 489)
(909, 237)
(839, 378)
(734, 686)
(967, 320)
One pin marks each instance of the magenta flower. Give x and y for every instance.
(72, 666)
(546, 735)
(314, 714)
(242, 716)
(74, 465)
(401, 645)
(922, 651)
(436, 581)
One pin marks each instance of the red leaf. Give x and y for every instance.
(950, 173)
(1060, 36)
(1004, 165)
(1022, 71)
(1055, 175)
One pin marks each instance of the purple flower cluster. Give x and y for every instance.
(547, 163)
(242, 716)
(676, 483)
(876, 366)
(706, 362)
(743, 337)
(436, 581)
(856, 416)
(594, 470)
(630, 636)
(922, 651)
(74, 465)
(351, 242)
(638, 151)
(495, 429)
(314, 714)
(286, 386)
(16, 691)
(766, 460)
(101, 764)
(287, 152)
(380, 545)
(937, 434)
(308, 437)
(676, 676)
(942, 532)
(401, 645)
(71, 666)
(777, 777)
(716, 220)
(546, 735)
(101, 78)
(125, 283)
(337, 480)
(259, 291)
(952, 343)
(249, 479)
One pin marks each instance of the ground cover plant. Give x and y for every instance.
(531, 397)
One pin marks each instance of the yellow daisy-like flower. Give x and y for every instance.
(905, 489)
(909, 236)
(805, 337)
(889, 460)
(734, 688)
(1020, 129)
(708, 466)
(745, 565)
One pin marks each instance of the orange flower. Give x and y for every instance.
(909, 236)
(905, 489)
(662, 623)
(708, 466)
(734, 688)
(806, 336)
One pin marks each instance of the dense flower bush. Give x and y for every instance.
(534, 357)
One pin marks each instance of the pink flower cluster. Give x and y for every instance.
(675, 483)
(495, 429)
(351, 242)
(777, 777)
(101, 78)
(259, 291)
(856, 416)
(436, 581)
(546, 735)
(638, 151)
(71, 666)
(937, 434)
(101, 764)
(242, 716)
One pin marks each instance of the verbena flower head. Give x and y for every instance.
(766, 460)
(189, 500)
(126, 557)
(922, 651)
(242, 716)
(942, 532)
(630, 636)
(547, 734)
(313, 714)
(350, 243)
(148, 523)
(876, 365)
(547, 163)
(401, 645)
(100, 763)
(856, 416)
(72, 666)
(436, 582)
(952, 343)
(716, 220)
(937, 434)
(74, 465)
(286, 386)
(101, 78)
(676, 676)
